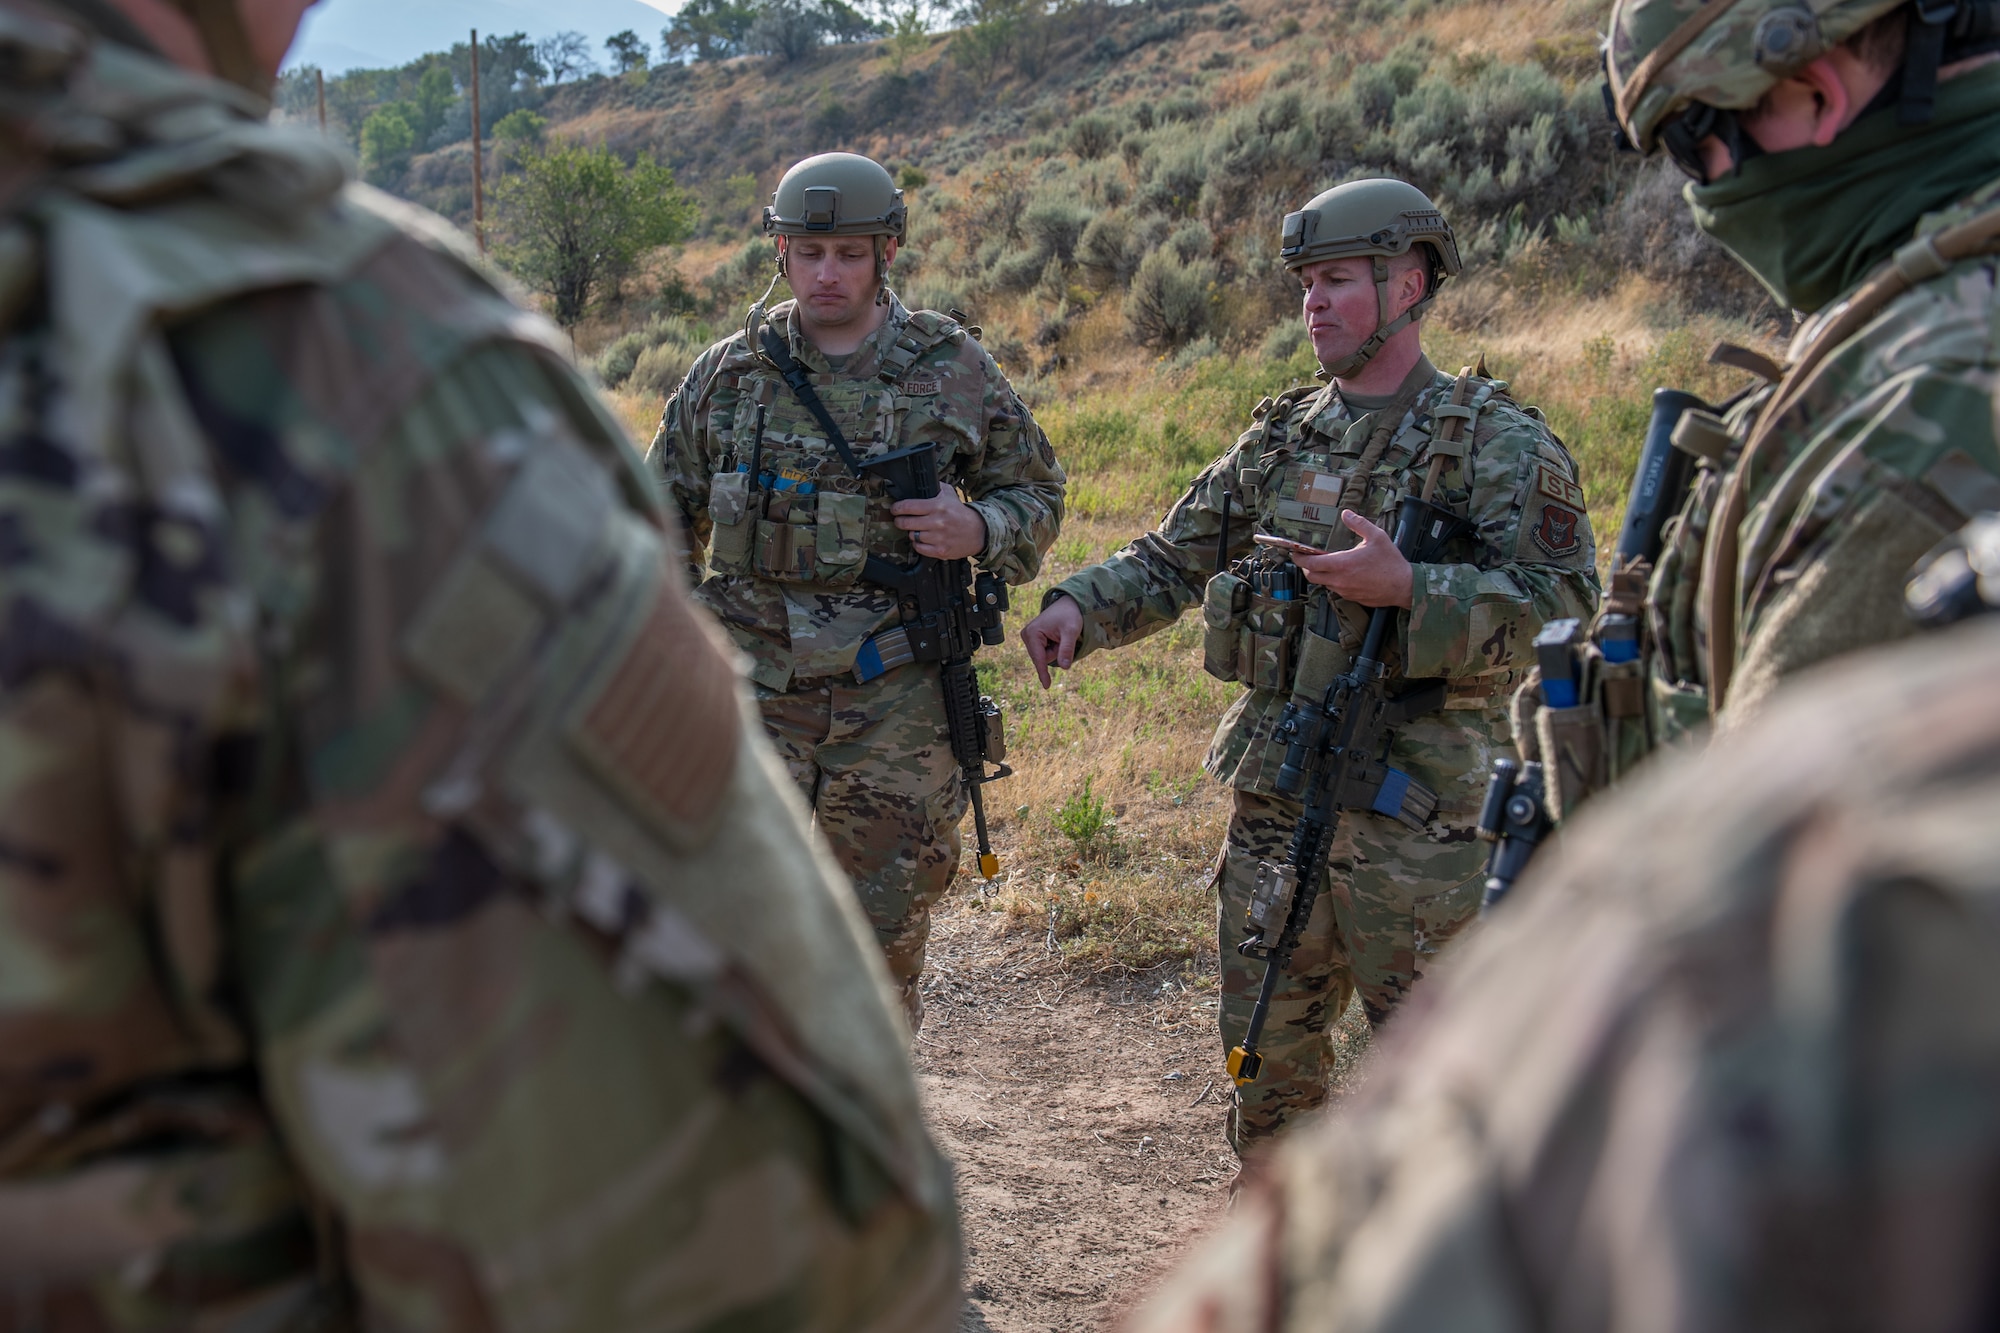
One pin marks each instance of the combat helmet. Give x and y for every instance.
(836, 194)
(217, 22)
(1676, 72)
(1380, 219)
(833, 194)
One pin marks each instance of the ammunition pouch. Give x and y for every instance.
(1266, 646)
(796, 535)
(1676, 709)
(1251, 622)
(1594, 745)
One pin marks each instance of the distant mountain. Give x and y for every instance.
(339, 35)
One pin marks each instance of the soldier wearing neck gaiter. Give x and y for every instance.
(1850, 158)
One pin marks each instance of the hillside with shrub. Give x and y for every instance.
(1100, 186)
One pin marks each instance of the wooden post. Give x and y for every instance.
(319, 84)
(478, 182)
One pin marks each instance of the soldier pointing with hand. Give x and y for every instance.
(1322, 471)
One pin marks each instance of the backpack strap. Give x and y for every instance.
(1918, 261)
(1451, 431)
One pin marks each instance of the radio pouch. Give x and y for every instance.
(1225, 606)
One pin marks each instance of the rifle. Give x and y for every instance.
(947, 612)
(1334, 753)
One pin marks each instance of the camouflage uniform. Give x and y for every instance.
(1733, 1063)
(1395, 894)
(871, 757)
(1886, 446)
(401, 925)
(1878, 436)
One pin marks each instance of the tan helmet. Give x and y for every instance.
(836, 194)
(1379, 218)
(1676, 72)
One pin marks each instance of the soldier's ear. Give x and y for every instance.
(889, 251)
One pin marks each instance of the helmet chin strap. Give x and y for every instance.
(1385, 328)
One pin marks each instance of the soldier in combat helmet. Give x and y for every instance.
(1731, 1062)
(403, 923)
(1848, 154)
(1324, 466)
(788, 520)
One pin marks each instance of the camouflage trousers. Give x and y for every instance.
(874, 762)
(1391, 897)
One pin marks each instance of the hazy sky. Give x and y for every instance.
(341, 35)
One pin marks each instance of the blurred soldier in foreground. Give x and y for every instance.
(1325, 471)
(401, 923)
(1848, 153)
(817, 461)
(1731, 1061)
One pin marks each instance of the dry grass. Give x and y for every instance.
(1128, 889)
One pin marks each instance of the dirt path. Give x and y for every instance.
(1085, 1119)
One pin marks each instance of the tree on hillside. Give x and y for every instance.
(787, 29)
(520, 127)
(387, 140)
(575, 219)
(628, 53)
(566, 55)
(846, 24)
(709, 29)
(435, 94)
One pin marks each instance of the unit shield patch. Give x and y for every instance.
(1559, 531)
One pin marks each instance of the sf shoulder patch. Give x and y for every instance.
(1552, 522)
(663, 725)
(1553, 485)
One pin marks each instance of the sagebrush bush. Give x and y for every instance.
(1192, 241)
(1092, 136)
(932, 293)
(1110, 249)
(1172, 301)
(1054, 226)
(656, 358)
(1173, 172)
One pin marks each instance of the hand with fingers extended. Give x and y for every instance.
(943, 527)
(1370, 573)
(1050, 637)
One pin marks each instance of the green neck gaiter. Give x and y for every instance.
(1812, 222)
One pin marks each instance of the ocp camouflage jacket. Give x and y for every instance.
(1891, 446)
(1527, 557)
(784, 558)
(399, 924)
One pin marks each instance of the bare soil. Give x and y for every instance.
(1084, 1117)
